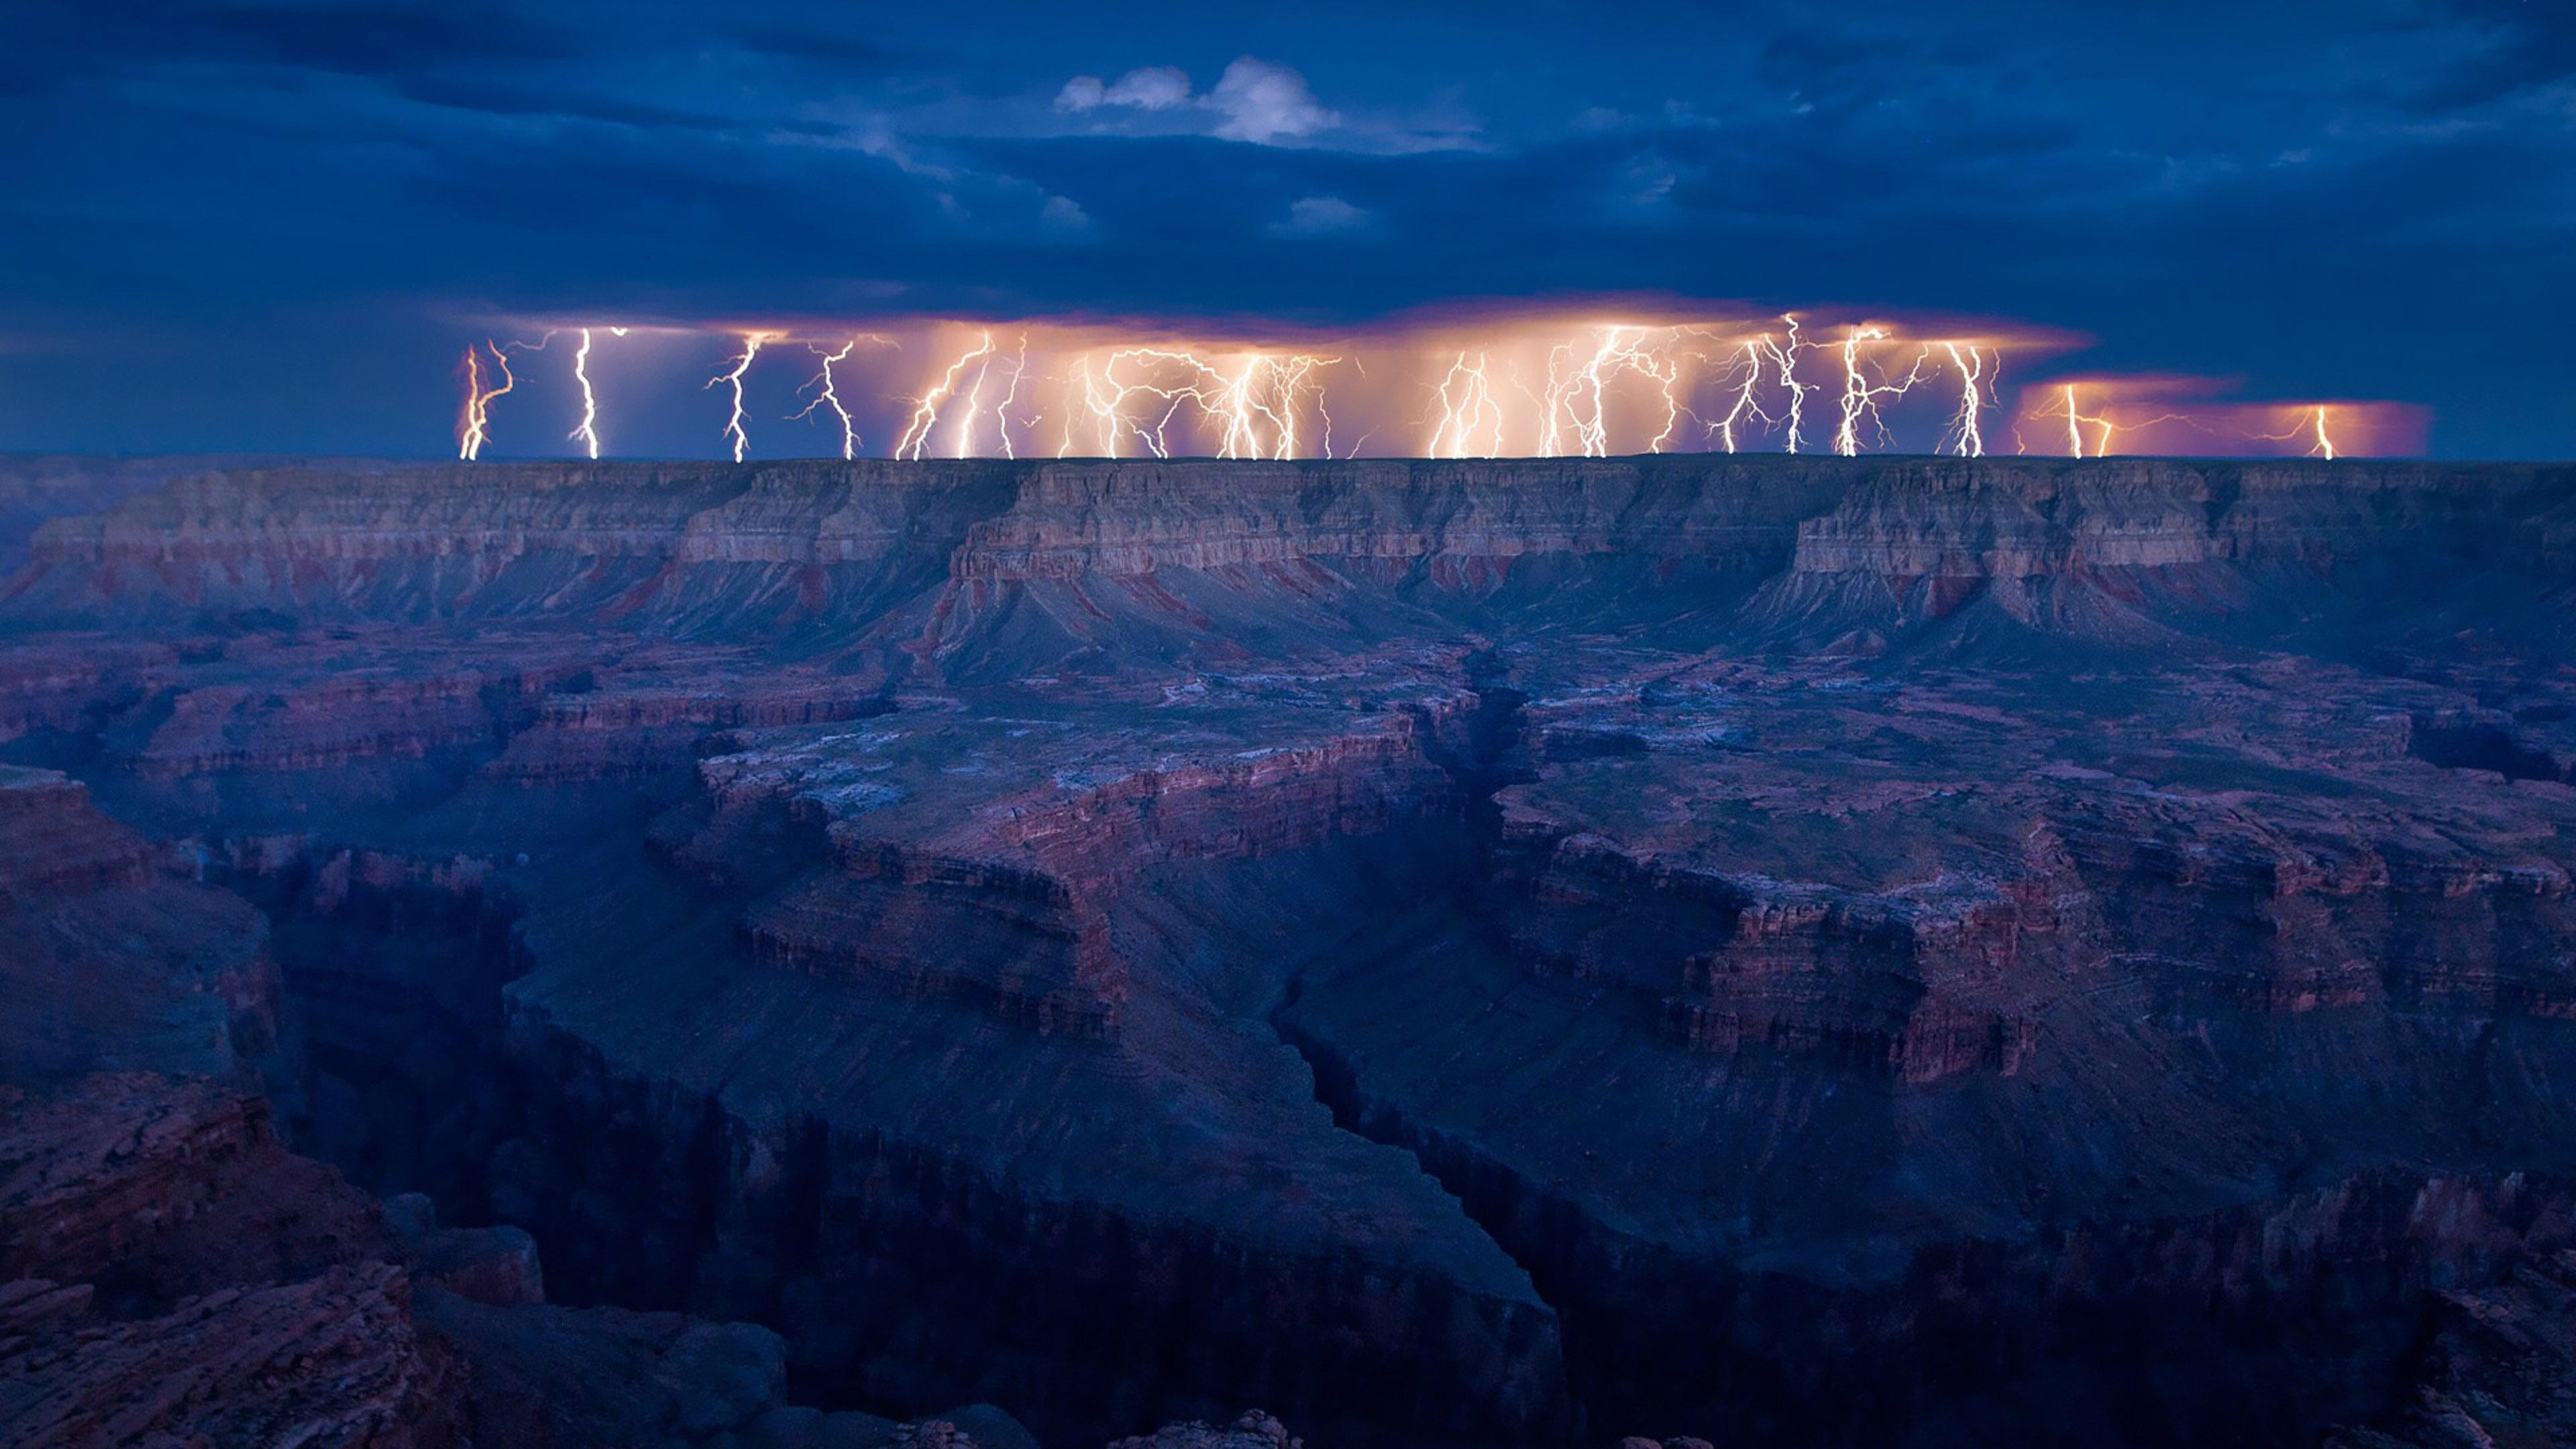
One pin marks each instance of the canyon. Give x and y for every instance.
(1809, 950)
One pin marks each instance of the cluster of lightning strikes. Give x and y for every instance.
(1471, 421)
(1578, 392)
(1255, 404)
(1589, 390)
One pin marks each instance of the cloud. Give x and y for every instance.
(1267, 104)
(1150, 88)
(1146, 88)
(1254, 100)
(1063, 215)
(1321, 216)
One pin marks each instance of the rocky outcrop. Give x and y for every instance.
(334, 1359)
(163, 1188)
(169, 1272)
(179, 1275)
(1912, 982)
(53, 844)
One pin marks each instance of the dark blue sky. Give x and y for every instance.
(271, 225)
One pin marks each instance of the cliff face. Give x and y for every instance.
(1845, 950)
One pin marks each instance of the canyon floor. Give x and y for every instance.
(1787, 950)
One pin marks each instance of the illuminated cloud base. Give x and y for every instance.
(1594, 382)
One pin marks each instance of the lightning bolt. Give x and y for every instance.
(1255, 410)
(1248, 404)
(826, 396)
(474, 425)
(733, 426)
(1325, 415)
(2312, 427)
(925, 413)
(1157, 440)
(1966, 434)
(586, 432)
(975, 405)
(1105, 399)
(1467, 410)
(1002, 410)
(1579, 395)
(1786, 359)
(1861, 396)
(1002, 414)
(1745, 405)
(1238, 407)
(1274, 391)
(2076, 422)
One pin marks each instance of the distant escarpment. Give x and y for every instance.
(957, 561)
(1823, 950)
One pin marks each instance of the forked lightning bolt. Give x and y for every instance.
(1578, 394)
(828, 396)
(1966, 434)
(474, 427)
(2076, 423)
(1745, 409)
(2311, 427)
(586, 432)
(1786, 359)
(1861, 396)
(1002, 413)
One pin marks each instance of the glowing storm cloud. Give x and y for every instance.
(1526, 384)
